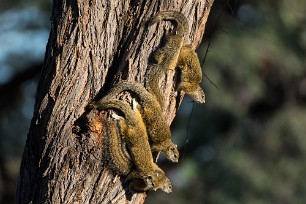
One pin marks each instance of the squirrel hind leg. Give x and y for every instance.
(155, 156)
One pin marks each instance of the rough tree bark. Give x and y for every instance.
(92, 45)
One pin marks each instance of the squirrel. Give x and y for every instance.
(191, 75)
(177, 52)
(134, 135)
(157, 128)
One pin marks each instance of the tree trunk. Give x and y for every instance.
(92, 45)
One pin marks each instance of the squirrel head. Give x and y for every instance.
(172, 152)
(198, 95)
